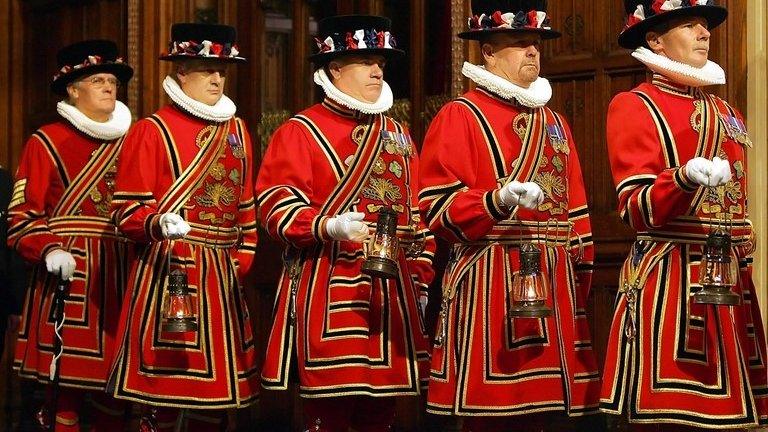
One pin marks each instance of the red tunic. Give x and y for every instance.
(489, 364)
(61, 200)
(352, 335)
(214, 367)
(681, 362)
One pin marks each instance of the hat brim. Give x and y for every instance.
(479, 34)
(321, 59)
(121, 71)
(634, 36)
(178, 57)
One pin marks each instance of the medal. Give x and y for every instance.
(737, 130)
(397, 143)
(236, 146)
(558, 139)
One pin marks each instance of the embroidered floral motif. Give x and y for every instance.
(216, 194)
(217, 171)
(382, 190)
(234, 175)
(396, 169)
(550, 184)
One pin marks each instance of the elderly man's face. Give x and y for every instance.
(513, 56)
(686, 41)
(360, 76)
(203, 81)
(94, 95)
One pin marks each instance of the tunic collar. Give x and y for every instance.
(341, 110)
(383, 104)
(117, 125)
(667, 85)
(710, 74)
(221, 112)
(535, 96)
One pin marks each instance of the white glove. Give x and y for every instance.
(527, 195)
(708, 173)
(721, 171)
(173, 226)
(61, 263)
(347, 226)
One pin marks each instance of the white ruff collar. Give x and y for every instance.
(112, 129)
(535, 96)
(221, 112)
(384, 102)
(681, 73)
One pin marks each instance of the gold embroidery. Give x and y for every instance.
(560, 145)
(738, 166)
(205, 216)
(234, 175)
(557, 163)
(374, 208)
(382, 190)
(217, 171)
(18, 193)
(379, 166)
(710, 208)
(543, 162)
(520, 124)
(696, 116)
(204, 135)
(215, 195)
(733, 191)
(396, 169)
(103, 202)
(550, 184)
(358, 133)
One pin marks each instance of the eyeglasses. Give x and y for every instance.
(99, 82)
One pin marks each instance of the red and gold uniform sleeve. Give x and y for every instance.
(420, 266)
(650, 194)
(582, 247)
(35, 194)
(284, 188)
(142, 162)
(452, 205)
(246, 209)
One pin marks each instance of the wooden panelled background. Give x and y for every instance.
(586, 67)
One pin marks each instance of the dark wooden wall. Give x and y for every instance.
(585, 66)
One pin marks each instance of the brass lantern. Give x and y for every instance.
(529, 286)
(382, 248)
(179, 311)
(718, 271)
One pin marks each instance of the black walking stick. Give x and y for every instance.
(48, 422)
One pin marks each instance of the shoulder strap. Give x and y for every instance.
(189, 181)
(100, 162)
(348, 188)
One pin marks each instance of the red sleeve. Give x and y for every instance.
(284, 188)
(421, 269)
(449, 201)
(246, 215)
(581, 244)
(650, 194)
(28, 211)
(142, 161)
